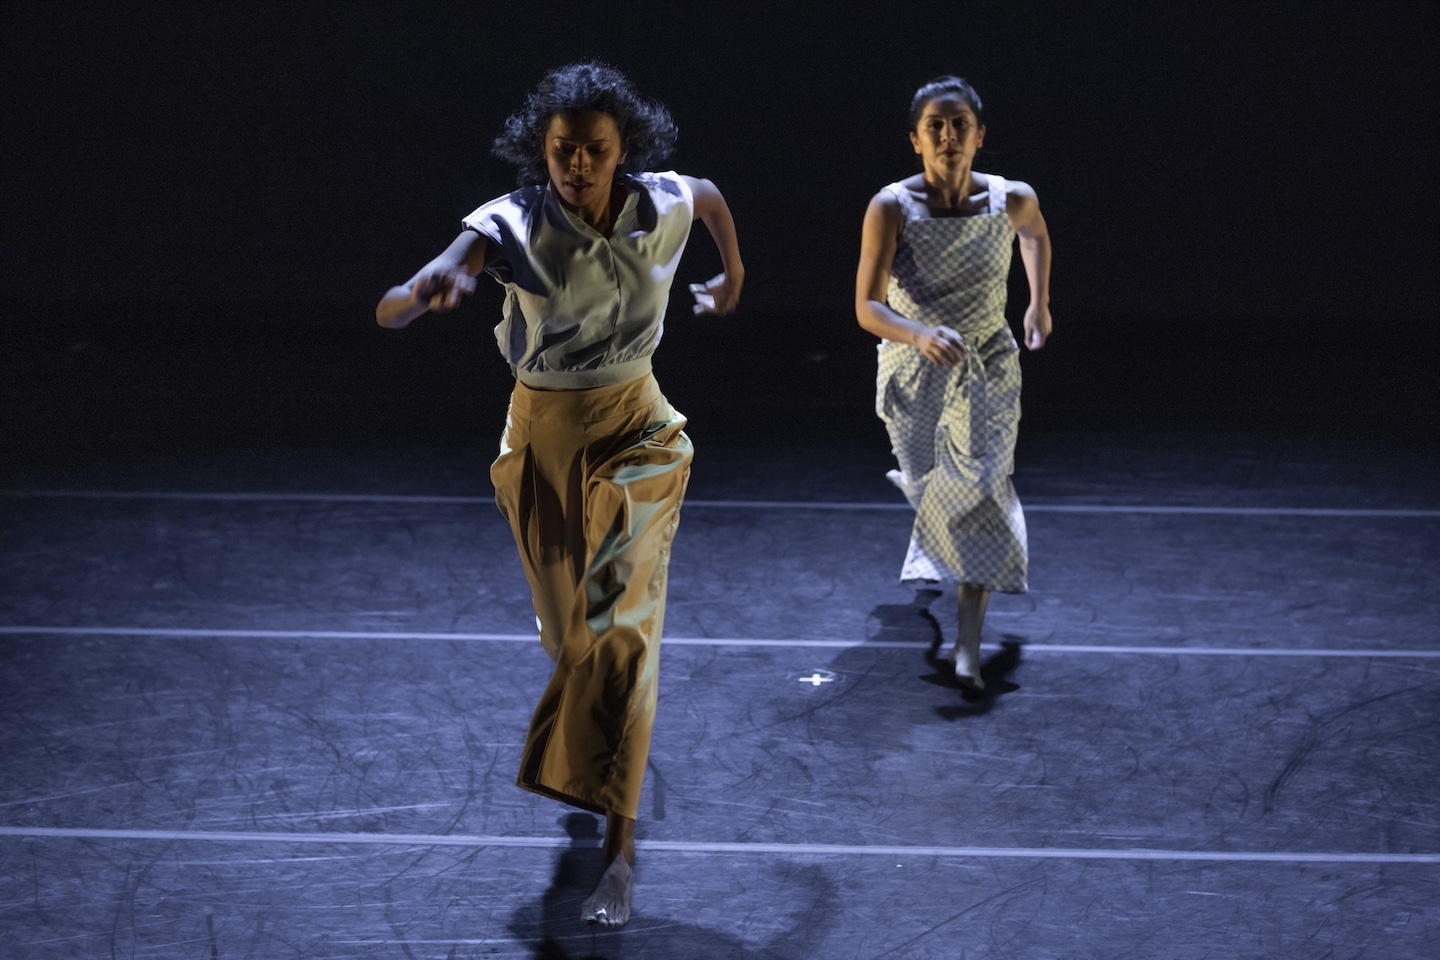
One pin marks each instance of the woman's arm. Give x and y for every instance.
(721, 294)
(1024, 209)
(438, 286)
(940, 345)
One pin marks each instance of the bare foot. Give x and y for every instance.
(972, 601)
(967, 666)
(609, 903)
(901, 481)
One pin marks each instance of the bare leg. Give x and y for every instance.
(973, 601)
(609, 903)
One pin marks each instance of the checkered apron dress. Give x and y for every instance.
(953, 431)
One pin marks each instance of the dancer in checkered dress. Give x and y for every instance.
(934, 260)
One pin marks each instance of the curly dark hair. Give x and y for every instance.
(647, 132)
(943, 85)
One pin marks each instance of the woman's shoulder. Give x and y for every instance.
(662, 181)
(888, 196)
(519, 200)
(889, 203)
(1015, 189)
(513, 210)
(665, 192)
(910, 184)
(1019, 197)
(892, 196)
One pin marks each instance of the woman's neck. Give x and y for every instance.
(948, 189)
(600, 215)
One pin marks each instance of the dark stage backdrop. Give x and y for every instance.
(1228, 173)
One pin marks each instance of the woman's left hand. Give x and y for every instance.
(718, 296)
(1037, 326)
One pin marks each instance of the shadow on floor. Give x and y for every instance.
(916, 622)
(995, 671)
(555, 928)
(912, 622)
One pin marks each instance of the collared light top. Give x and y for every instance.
(583, 309)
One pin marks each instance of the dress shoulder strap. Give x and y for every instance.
(997, 192)
(907, 202)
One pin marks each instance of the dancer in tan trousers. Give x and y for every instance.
(594, 461)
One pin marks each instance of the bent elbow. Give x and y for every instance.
(865, 315)
(390, 320)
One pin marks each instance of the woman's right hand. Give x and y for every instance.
(440, 288)
(941, 346)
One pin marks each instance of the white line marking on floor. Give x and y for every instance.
(1030, 507)
(1232, 511)
(202, 634)
(1089, 508)
(682, 846)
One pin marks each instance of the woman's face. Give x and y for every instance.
(582, 151)
(948, 134)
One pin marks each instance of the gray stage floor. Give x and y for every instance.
(263, 697)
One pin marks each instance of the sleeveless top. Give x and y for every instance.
(583, 309)
(953, 270)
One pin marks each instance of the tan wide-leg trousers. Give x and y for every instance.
(591, 482)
